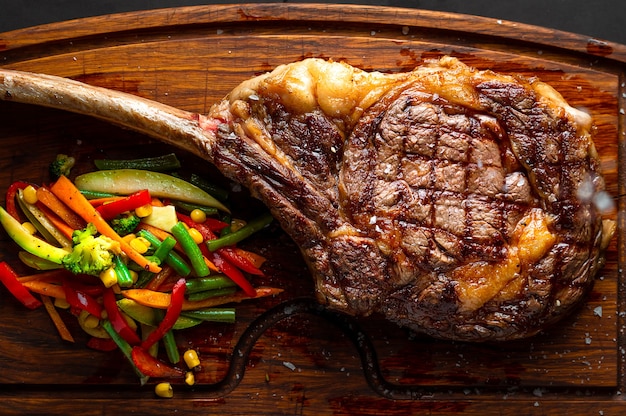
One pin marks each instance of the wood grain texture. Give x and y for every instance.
(190, 58)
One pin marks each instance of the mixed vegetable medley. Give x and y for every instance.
(134, 252)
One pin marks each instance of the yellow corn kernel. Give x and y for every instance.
(129, 237)
(195, 235)
(191, 358)
(29, 227)
(140, 244)
(91, 321)
(164, 390)
(236, 224)
(61, 303)
(190, 379)
(143, 211)
(197, 216)
(30, 195)
(108, 277)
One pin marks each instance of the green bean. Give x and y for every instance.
(173, 259)
(212, 314)
(241, 234)
(202, 284)
(96, 194)
(211, 293)
(170, 347)
(165, 248)
(186, 206)
(144, 278)
(191, 249)
(164, 163)
(124, 346)
(124, 279)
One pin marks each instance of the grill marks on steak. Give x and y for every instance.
(455, 202)
(439, 175)
(447, 180)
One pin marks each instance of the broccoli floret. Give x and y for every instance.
(90, 254)
(125, 224)
(61, 166)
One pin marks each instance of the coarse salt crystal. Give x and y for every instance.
(598, 311)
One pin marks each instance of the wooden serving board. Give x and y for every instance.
(300, 359)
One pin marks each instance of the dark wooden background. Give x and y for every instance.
(307, 362)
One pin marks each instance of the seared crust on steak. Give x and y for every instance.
(420, 195)
(456, 202)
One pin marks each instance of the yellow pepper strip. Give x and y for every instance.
(161, 300)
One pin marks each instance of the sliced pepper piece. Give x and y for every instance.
(10, 198)
(153, 367)
(80, 299)
(9, 278)
(117, 319)
(131, 202)
(171, 315)
(229, 270)
(101, 344)
(239, 261)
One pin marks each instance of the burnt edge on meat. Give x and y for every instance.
(456, 202)
(387, 210)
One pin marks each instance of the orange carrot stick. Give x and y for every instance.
(61, 225)
(56, 275)
(56, 319)
(162, 300)
(47, 198)
(45, 288)
(67, 192)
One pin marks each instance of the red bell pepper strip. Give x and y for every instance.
(171, 315)
(101, 344)
(129, 203)
(11, 206)
(77, 298)
(203, 228)
(229, 270)
(117, 319)
(9, 278)
(86, 288)
(217, 258)
(240, 261)
(153, 367)
(215, 225)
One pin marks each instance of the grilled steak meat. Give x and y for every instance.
(456, 202)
